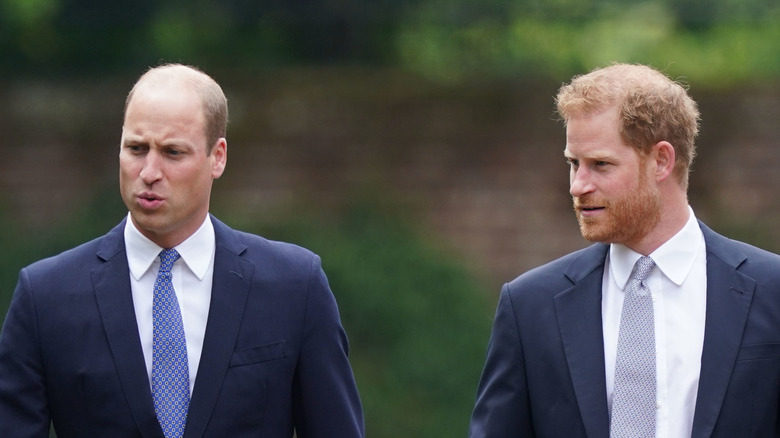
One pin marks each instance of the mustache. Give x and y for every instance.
(587, 201)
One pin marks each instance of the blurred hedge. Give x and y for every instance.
(721, 42)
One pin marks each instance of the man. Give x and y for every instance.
(229, 335)
(695, 351)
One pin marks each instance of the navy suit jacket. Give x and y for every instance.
(274, 355)
(544, 374)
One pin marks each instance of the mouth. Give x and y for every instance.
(150, 200)
(587, 209)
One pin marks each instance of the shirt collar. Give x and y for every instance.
(196, 252)
(674, 258)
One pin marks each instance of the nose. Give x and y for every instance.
(580, 182)
(152, 168)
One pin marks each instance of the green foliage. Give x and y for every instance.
(712, 42)
(29, 24)
(733, 45)
(418, 323)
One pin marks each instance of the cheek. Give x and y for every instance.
(621, 187)
(193, 181)
(124, 174)
(127, 166)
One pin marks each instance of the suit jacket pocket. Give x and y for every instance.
(759, 352)
(263, 353)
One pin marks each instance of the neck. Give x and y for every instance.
(674, 215)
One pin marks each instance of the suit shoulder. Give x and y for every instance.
(760, 264)
(68, 260)
(755, 251)
(559, 274)
(284, 252)
(740, 254)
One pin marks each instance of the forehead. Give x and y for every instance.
(174, 109)
(595, 134)
(172, 96)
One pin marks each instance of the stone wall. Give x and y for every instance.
(480, 167)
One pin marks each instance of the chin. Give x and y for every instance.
(146, 222)
(593, 233)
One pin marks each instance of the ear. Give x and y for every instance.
(663, 156)
(219, 157)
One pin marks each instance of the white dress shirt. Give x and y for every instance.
(678, 286)
(192, 278)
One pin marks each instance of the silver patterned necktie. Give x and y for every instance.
(634, 396)
(170, 371)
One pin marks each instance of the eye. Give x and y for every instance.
(173, 152)
(573, 162)
(136, 148)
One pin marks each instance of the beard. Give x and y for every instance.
(627, 219)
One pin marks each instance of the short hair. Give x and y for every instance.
(215, 109)
(652, 108)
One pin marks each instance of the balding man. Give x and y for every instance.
(174, 324)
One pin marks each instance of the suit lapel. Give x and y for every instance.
(232, 281)
(111, 281)
(579, 320)
(729, 295)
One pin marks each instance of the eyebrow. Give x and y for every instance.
(595, 155)
(133, 139)
(168, 143)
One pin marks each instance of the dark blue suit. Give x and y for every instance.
(274, 355)
(544, 373)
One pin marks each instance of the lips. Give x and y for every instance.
(150, 201)
(587, 208)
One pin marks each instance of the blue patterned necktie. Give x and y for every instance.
(634, 399)
(170, 373)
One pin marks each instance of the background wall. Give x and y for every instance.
(479, 170)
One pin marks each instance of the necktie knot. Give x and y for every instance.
(642, 269)
(167, 258)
